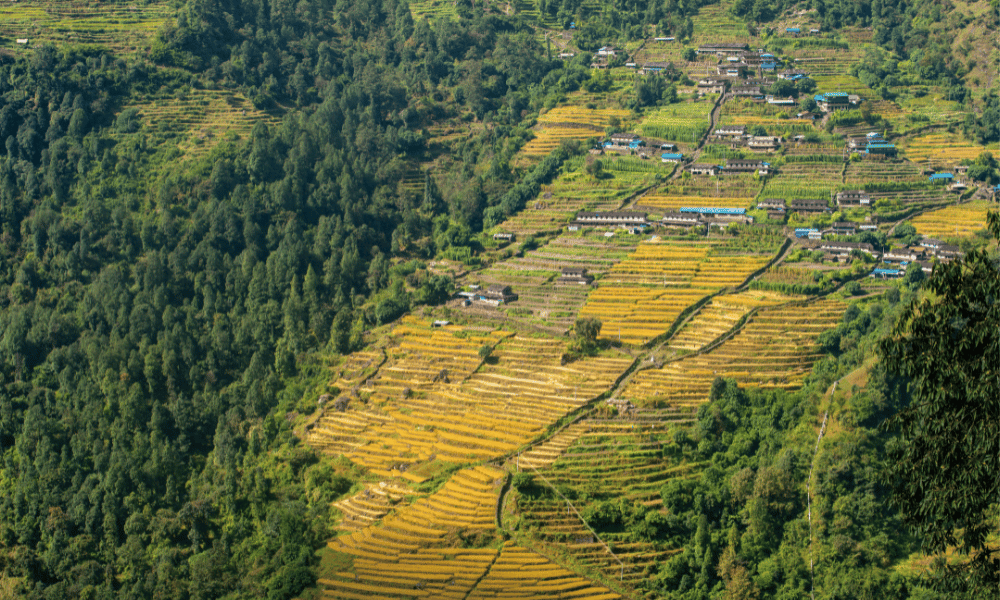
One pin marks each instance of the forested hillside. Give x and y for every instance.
(249, 348)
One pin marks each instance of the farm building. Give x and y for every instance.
(746, 91)
(703, 169)
(22, 41)
(496, 294)
(867, 227)
(607, 51)
(731, 130)
(672, 157)
(732, 69)
(931, 243)
(845, 248)
(566, 55)
(772, 204)
(843, 228)
(789, 101)
(881, 149)
(942, 178)
(814, 31)
(808, 205)
(668, 146)
(575, 275)
(908, 254)
(948, 252)
(655, 67)
(679, 219)
(804, 232)
(612, 217)
(832, 101)
(440, 323)
(663, 39)
(624, 139)
(721, 48)
(853, 198)
(712, 86)
(793, 30)
(504, 237)
(714, 211)
(738, 165)
(764, 142)
(887, 273)
(792, 75)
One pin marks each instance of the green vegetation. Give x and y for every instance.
(234, 365)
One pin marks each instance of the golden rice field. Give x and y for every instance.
(640, 297)
(674, 203)
(776, 349)
(408, 553)
(943, 149)
(720, 315)
(471, 412)
(548, 139)
(955, 221)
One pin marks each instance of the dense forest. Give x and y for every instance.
(163, 322)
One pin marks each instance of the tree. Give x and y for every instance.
(943, 465)
(689, 55)
(585, 333)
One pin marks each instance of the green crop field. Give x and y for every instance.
(114, 25)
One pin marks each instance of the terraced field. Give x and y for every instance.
(575, 190)
(721, 315)
(535, 276)
(434, 401)
(197, 120)
(671, 203)
(955, 221)
(942, 150)
(122, 27)
(568, 122)
(776, 349)
(685, 122)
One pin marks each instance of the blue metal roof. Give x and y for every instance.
(941, 176)
(671, 155)
(793, 29)
(712, 210)
(886, 272)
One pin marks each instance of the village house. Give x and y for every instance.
(575, 276)
(806, 232)
(905, 255)
(679, 219)
(844, 249)
(772, 204)
(793, 31)
(885, 149)
(883, 273)
(655, 67)
(746, 91)
(764, 142)
(624, 139)
(671, 157)
(775, 101)
(737, 70)
(808, 205)
(792, 75)
(504, 237)
(703, 169)
(948, 252)
(607, 51)
(843, 228)
(731, 130)
(624, 218)
(712, 86)
(739, 165)
(831, 101)
(942, 178)
(496, 294)
(853, 198)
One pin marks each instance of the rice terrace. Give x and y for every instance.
(541, 299)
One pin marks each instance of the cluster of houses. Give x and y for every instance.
(895, 262)
(632, 143)
(737, 136)
(635, 221)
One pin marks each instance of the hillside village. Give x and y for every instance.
(715, 236)
(524, 300)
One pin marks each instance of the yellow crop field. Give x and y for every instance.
(943, 149)
(721, 315)
(955, 221)
(578, 115)
(776, 348)
(434, 399)
(535, 577)
(548, 139)
(636, 315)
